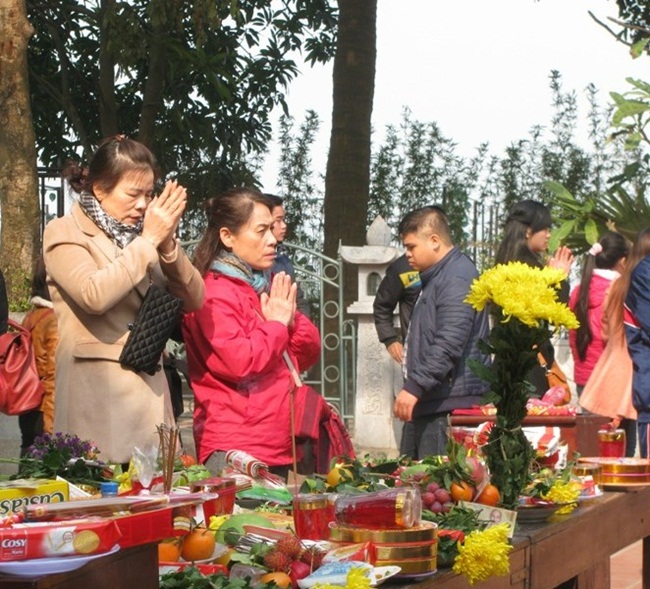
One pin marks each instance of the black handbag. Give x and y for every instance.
(156, 320)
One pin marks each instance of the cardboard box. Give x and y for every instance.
(48, 539)
(16, 495)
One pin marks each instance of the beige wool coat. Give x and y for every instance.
(97, 289)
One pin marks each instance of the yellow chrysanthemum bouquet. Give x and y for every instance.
(526, 310)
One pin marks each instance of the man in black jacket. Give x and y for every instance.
(400, 286)
(443, 333)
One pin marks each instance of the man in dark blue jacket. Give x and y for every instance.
(637, 332)
(443, 333)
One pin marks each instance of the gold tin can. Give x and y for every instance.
(426, 531)
(411, 566)
(393, 552)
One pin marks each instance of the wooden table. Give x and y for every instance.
(578, 431)
(572, 551)
(128, 568)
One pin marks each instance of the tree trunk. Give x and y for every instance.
(347, 180)
(107, 106)
(18, 178)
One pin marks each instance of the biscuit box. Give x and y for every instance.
(16, 495)
(48, 539)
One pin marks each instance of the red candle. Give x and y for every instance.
(611, 443)
(312, 514)
(394, 508)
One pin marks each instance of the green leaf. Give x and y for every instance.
(639, 47)
(629, 108)
(591, 231)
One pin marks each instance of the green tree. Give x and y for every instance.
(194, 80)
(417, 165)
(18, 180)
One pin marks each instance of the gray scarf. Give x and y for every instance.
(121, 233)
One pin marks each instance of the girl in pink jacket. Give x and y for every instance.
(243, 340)
(603, 264)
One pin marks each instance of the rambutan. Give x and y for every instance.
(277, 561)
(290, 545)
(313, 556)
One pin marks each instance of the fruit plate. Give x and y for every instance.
(39, 567)
(528, 514)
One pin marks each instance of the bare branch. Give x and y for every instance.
(614, 34)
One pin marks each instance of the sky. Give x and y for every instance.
(478, 68)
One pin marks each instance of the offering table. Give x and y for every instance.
(580, 432)
(570, 551)
(136, 566)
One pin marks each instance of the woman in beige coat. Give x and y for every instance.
(100, 260)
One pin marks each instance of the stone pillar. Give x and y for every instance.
(378, 376)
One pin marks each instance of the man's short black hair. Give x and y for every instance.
(275, 199)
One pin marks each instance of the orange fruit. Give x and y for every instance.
(282, 580)
(489, 496)
(169, 550)
(461, 491)
(198, 544)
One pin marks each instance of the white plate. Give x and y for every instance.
(379, 574)
(38, 567)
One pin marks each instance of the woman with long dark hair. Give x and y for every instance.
(603, 264)
(608, 390)
(525, 239)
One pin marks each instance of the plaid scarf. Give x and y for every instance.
(232, 265)
(121, 233)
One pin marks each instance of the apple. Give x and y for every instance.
(476, 469)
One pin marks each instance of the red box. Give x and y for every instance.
(154, 525)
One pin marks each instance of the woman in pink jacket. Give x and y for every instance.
(241, 342)
(603, 264)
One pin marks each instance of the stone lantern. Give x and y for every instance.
(378, 375)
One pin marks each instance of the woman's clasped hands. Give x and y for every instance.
(163, 215)
(280, 303)
(562, 259)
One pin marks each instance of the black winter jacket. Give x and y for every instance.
(443, 335)
(400, 285)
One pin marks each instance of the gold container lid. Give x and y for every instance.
(421, 533)
(310, 501)
(585, 470)
(620, 466)
(411, 566)
(388, 552)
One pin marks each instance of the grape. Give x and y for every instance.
(433, 487)
(436, 507)
(428, 499)
(442, 495)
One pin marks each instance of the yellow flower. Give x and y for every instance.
(524, 292)
(484, 554)
(564, 492)
(217, 521)
(356, 579)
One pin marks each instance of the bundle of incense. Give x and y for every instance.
(110, 506)
(169, 444)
